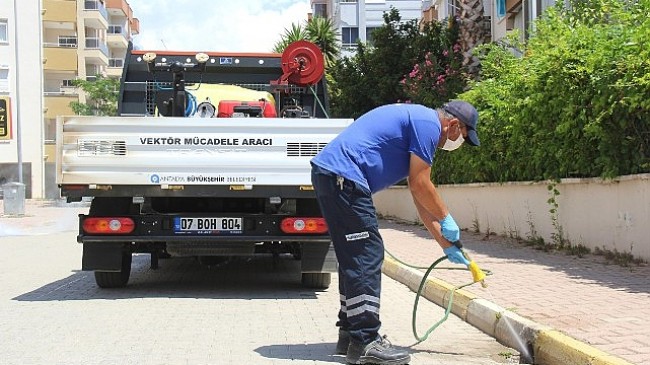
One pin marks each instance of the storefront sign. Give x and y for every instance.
(5, 118)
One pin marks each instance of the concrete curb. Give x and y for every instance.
(550, 347)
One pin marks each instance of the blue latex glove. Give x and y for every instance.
(449, 229)
(455, 255)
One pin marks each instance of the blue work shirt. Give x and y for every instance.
(375, 150)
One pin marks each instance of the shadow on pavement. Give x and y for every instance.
(590, 267)
(322, 352)
(240, 278)
(317, 352)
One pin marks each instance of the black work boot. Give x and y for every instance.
(379, 352)
(343, 342)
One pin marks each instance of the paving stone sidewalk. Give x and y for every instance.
(604, 305)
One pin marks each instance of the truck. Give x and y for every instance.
(208, 157)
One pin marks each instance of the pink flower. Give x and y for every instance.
(445, 53)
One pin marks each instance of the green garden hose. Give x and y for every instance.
(477, 274)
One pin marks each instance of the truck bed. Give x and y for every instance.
(148, 156)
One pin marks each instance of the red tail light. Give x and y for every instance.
(108, 225)
(303, 225)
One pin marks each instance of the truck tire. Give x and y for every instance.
(316, 280)
(115, 279)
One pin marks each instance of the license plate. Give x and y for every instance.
(210, 225)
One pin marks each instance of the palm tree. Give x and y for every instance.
(474, 31)
(322, 32)
(318, 30)
(295, 33)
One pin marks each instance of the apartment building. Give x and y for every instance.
(504, 15)
(81, 39)
(21, 95)
(356, 19)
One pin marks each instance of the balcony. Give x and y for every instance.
(135, 26)
(57, 58)
(118, 8)
(513, 6)
(58, 104)
(95, 14)
(114, 72)
(116, 37)
(96, 52)
(115, 67)
(59, 14)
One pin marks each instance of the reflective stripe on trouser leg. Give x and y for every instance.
(352, 222)
(361, 264)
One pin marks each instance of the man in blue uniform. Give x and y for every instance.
(380, 148)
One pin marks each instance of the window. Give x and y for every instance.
(115, 62)
(66, 83)
(320, 10)
(67, 41)
(114, 29)
(4, 80)
(453, 8)
(369, 37)
(4, 38)
(349, 36)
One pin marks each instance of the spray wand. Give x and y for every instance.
(477, 274)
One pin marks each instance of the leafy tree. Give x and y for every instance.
(375, 75)
(101, 96)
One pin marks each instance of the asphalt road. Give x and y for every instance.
(243, 311)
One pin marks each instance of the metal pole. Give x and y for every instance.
(19, 142)
(14, 193)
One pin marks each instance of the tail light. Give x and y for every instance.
(108, 225)
(303, 225)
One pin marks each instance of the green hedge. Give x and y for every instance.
(576, 104)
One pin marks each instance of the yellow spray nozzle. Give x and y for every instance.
(477, 274)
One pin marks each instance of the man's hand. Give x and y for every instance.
(455, 255)
(449, 229)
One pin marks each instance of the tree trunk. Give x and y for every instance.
(474, 31)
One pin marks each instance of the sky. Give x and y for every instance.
(215, 25)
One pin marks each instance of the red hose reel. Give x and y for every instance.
(302, 64)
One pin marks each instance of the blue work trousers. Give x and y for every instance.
(352, 220)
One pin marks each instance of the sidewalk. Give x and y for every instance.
(42, 217)
(605, 306)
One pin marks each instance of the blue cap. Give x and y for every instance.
(466, 113)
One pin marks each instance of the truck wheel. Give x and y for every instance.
(115, 279)
(317, 280)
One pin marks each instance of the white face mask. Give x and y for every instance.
(452, 145)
